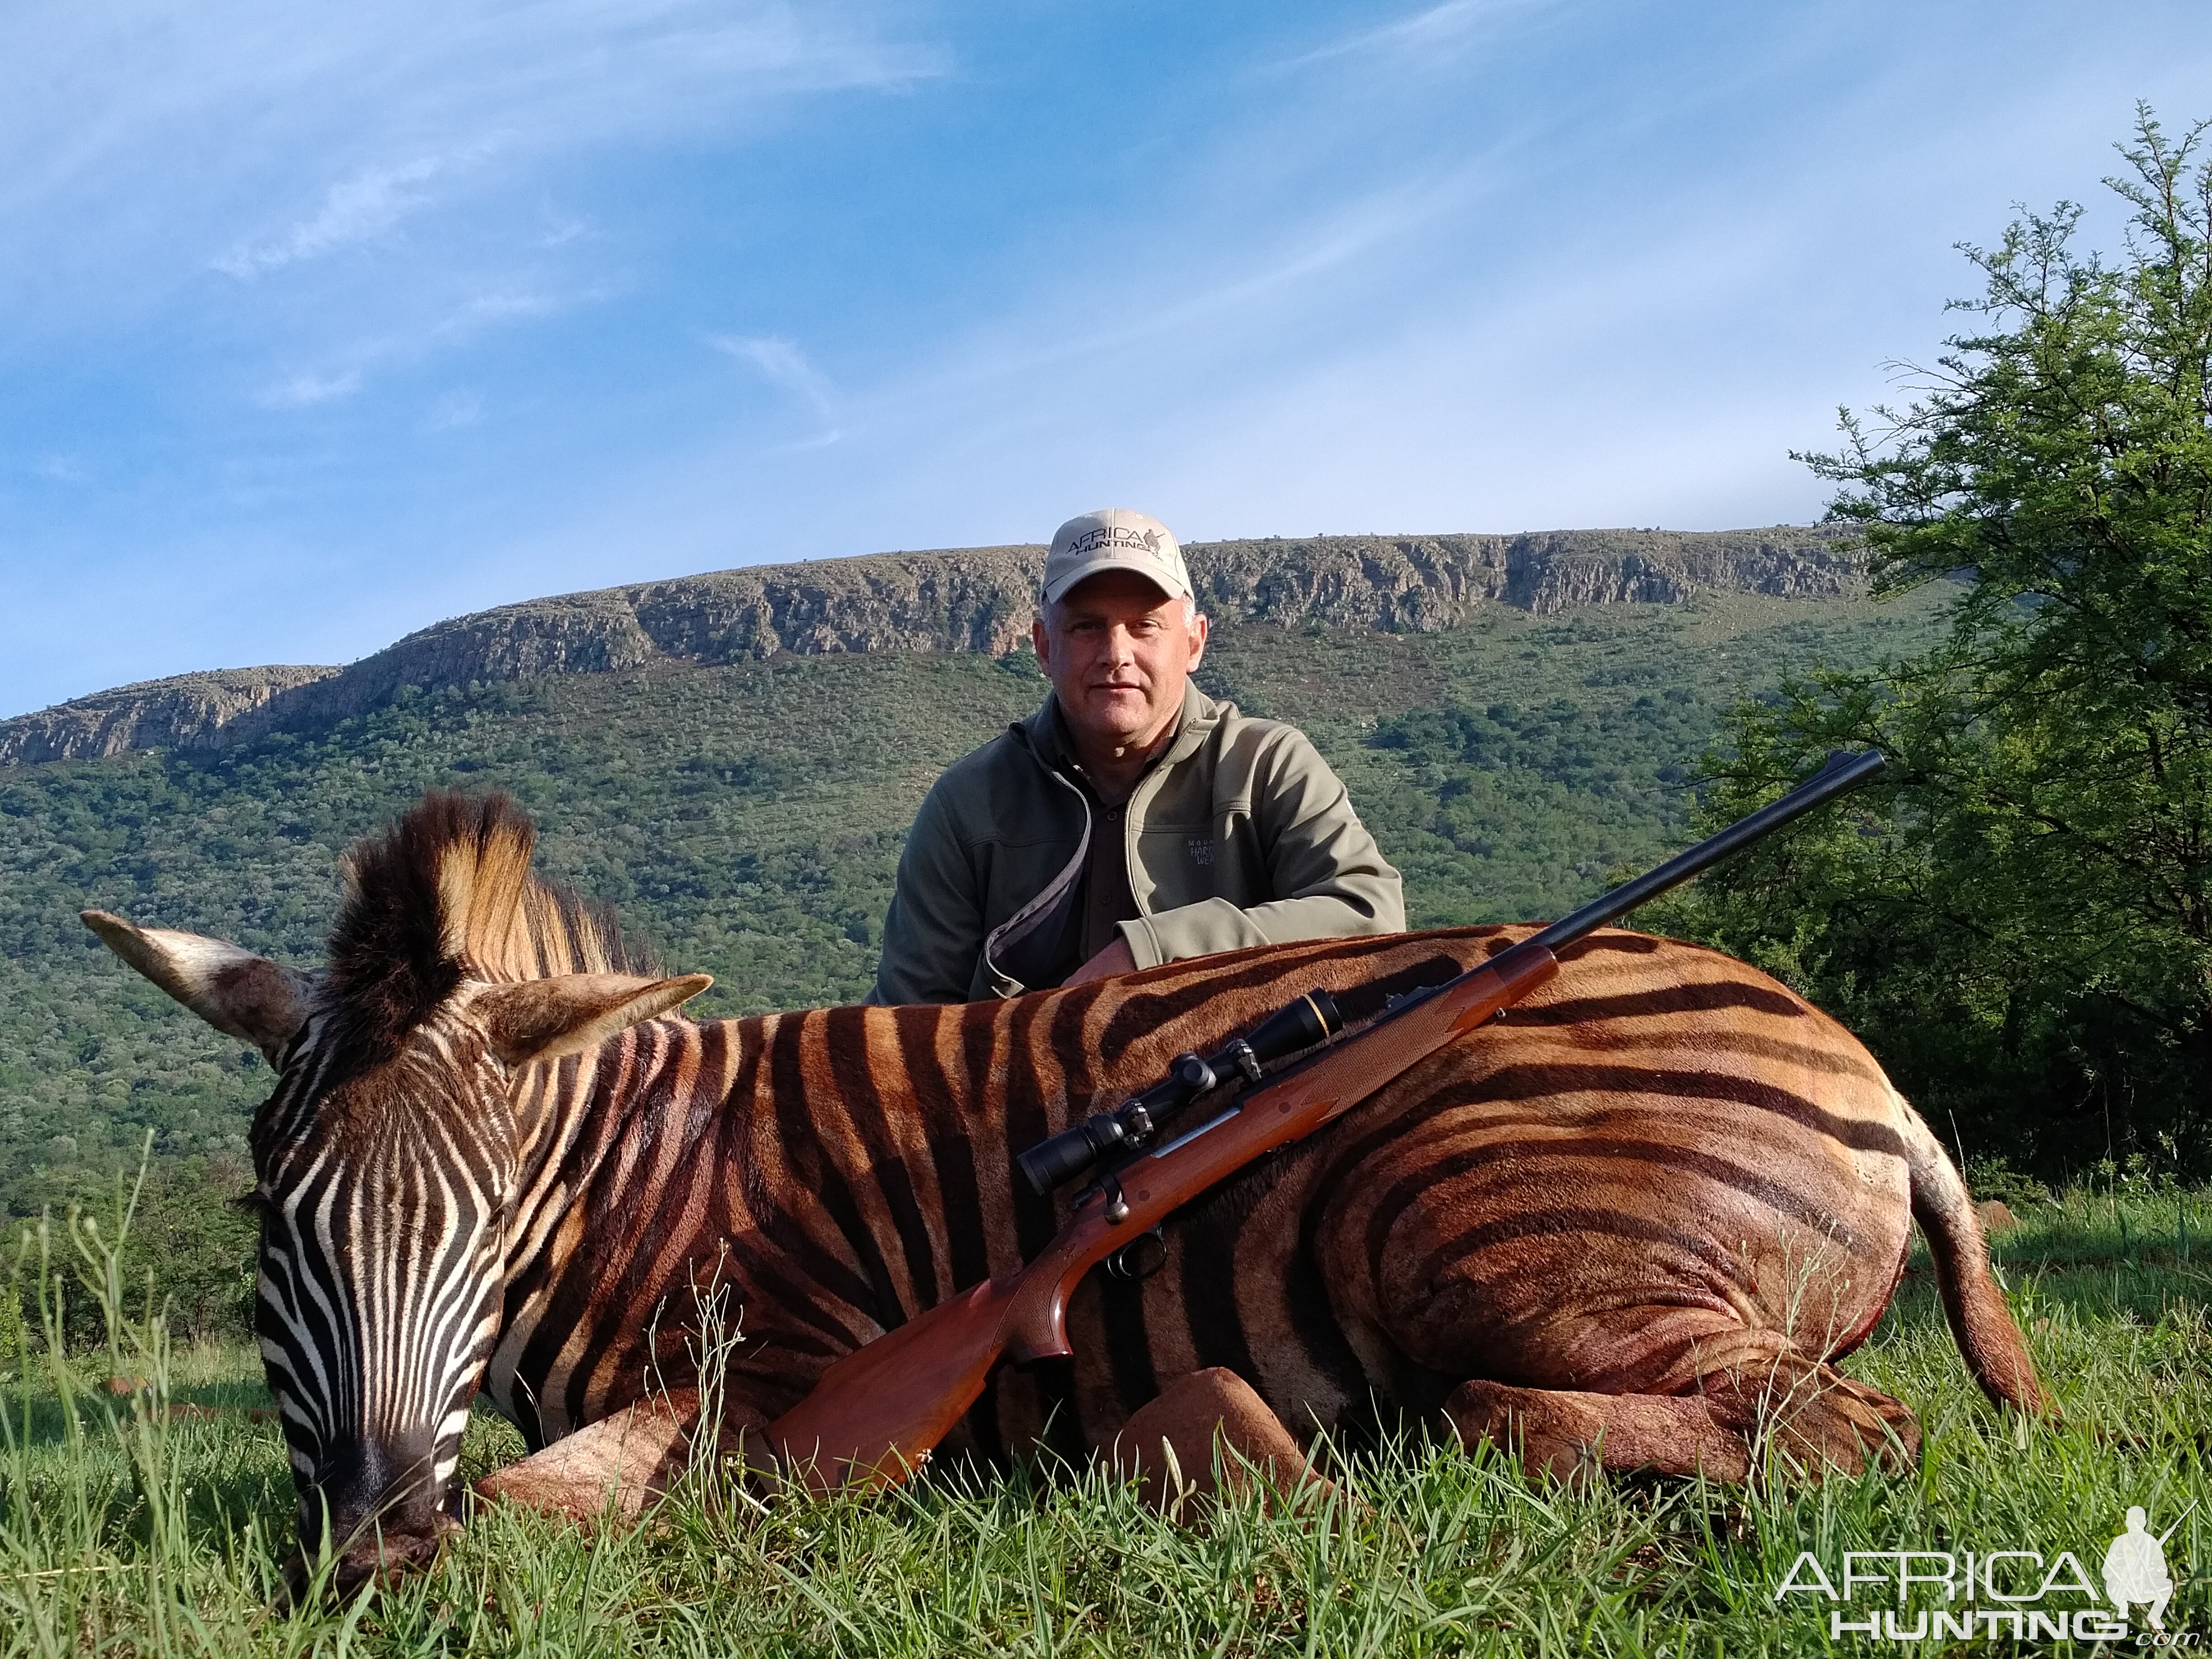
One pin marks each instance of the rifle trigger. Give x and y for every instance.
(1140, 1258)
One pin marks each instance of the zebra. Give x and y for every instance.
(1624, 1226)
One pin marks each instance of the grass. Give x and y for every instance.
(123, 1531)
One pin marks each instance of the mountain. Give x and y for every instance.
(186, 711)
(974, 600)
(731, 760)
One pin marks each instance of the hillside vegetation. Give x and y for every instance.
(745, 819)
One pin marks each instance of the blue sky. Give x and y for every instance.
(318, 324)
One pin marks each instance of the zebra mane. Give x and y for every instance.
(446, 893)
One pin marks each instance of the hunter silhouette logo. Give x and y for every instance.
(2014, 1594)
(2135, 1568)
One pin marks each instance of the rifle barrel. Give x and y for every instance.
(1844, 772)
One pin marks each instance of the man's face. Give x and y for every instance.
(1117, 652)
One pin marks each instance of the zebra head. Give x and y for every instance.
(387, 1159)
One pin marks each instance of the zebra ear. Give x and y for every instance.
(238, 993)
(546, 1018)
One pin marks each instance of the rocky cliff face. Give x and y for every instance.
(968, 599)
(192, 711)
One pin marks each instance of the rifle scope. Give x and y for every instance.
(1312, 1018)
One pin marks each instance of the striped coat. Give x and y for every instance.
(1661, 1149)
(1635, 1218)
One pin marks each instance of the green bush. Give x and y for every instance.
(2018, 918)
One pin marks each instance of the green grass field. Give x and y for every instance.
(123, 1533)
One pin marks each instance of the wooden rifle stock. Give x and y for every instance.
(877, 1414)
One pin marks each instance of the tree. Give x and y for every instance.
(2019, 920)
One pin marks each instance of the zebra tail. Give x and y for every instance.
(1981, 1322)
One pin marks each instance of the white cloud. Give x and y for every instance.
(354, 210)
(347, 368)
(782, 363)
(1439, 29)
(306, 389)
(499, 307)
(142, 134)
(456, 408)
(562, 228)
(60, 469)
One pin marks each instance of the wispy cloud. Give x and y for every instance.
(306, 390)
(346, 369)
(1437, 29)
(562, 228)
(354, 209)
(143, 137)
(500, 305)
(782, 363)
(1198, 304)
(455, 410)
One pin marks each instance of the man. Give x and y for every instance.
(1132, 820)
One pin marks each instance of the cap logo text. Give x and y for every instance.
(1115, 536)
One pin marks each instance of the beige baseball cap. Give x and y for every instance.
(1115, 538)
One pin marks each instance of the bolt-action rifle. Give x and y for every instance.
(877, 1414)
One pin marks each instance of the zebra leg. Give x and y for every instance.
(1170, 1445)
(1712, 1403)
(1572, 1435)
(1804, 1410)
(619, 1467)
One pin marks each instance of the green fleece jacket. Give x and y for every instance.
(1238, 835)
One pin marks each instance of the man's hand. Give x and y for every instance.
(1116, 958)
